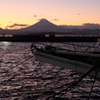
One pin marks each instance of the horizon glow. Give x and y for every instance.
(59, 12)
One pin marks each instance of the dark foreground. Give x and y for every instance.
(48, 39)
(24, 78)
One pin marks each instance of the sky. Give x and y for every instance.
(23, 13)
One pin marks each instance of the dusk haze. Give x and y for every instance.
(15, 14)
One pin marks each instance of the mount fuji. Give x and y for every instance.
(38, 28)
(43, 26)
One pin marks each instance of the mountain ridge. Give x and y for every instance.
(44, 26)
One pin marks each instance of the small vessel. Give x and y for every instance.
(85, 61)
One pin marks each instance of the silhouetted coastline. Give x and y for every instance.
(50, 38)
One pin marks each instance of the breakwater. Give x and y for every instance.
(42, 38)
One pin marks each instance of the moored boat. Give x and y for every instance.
(79, 61)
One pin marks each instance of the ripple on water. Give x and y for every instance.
(28, 80)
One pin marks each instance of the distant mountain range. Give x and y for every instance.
(42, 26)
(45, 26)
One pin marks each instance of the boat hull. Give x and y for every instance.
(76, 66)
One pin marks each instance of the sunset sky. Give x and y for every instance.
(20, 13)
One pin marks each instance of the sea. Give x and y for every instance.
(22, 77)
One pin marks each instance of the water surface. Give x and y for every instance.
(24, 78)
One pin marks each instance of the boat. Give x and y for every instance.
(85, 61)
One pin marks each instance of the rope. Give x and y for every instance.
(88, 47)
(93, 82)
(31, 76)
(24, 61)
(75, 58)
(11, 70)
(72, 84)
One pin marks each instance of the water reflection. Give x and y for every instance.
(30, 81)
(4, 44)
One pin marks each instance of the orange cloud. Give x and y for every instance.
(55, 20)
(35, 16)
(17, 25)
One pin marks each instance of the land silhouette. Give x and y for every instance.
(45, 26)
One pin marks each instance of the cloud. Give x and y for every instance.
(84, 26)
(10, 22)
(55, 20)
(91, 26)
(35, 16)
(17, 25)
(79, 13)
(39, 19)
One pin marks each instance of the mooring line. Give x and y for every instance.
(73, 84)
(93, 82)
